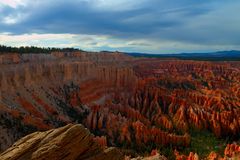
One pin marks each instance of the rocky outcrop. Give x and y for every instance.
(71, 142)
(124, 101)
(232, 151)
(45, 91)
(9, 58)
(151, 157)
(192, 94)
(191, 156)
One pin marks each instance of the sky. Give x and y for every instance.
(147, 26)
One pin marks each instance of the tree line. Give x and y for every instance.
(33, 49)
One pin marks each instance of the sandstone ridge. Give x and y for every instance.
(71, 142)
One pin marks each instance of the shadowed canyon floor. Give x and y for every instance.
(139, 105)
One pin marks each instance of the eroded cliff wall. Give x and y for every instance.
(128, 102)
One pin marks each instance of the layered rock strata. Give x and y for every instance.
(72, 142)
(126, 102)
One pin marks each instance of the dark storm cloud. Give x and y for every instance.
(80, 17)
(198, 22)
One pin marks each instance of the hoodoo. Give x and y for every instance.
(134, 104)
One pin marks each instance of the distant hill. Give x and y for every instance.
(232, 55)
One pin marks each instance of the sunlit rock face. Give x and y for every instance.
(71, 142)
(126, 102)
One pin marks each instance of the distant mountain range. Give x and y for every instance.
(233, 55)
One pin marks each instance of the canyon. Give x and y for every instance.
(134, 104)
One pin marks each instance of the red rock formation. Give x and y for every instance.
(232, 150)
(154, 156)
(191, 156)
(29, 107)
(48, 108)
(213, 156)
(101, 140)
(8, 58)
(125, 99)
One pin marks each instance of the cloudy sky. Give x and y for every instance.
(152, 26)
